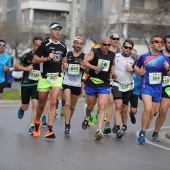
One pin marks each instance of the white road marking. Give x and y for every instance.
(153, 143)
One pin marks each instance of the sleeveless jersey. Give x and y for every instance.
(73, 74)
(104, 75)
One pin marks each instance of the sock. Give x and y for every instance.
(99, 130)
(63, 103)
(117, 127)
(32, 125)
(49, 127)
(107, 123)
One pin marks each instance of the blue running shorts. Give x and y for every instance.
(93, 91)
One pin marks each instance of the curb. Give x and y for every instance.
(2, 102)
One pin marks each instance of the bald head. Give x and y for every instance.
(106, 40)
(105, 45)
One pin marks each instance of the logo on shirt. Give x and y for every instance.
(57, 55)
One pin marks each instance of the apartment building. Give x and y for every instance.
(34, 14)
(134, 19)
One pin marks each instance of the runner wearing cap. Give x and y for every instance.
(72, 80)
(50, 54)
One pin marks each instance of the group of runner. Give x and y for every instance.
(115, 77)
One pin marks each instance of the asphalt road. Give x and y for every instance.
(77, 151)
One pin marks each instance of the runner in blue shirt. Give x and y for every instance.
(5, 63)
(152, 66)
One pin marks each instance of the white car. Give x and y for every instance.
(17, 74)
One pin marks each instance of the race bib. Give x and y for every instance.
(125, 87)
(74, 69)
(34, 75)
(52, 77)
(155, 78)
(105, 64)
(166, 81)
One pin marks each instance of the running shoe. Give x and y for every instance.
(44, 120)
(114, 129)
(49, 134)
(124, 128)
(120, 134)
(107, 129)
(95, 118)
(132, 118)
(31, 130)
(91, 123)
(85, 124)
(62, 111)
(141, 138)
(37, 132)
(67, 129)
(20, 113)
(155, 137)
(98, 135)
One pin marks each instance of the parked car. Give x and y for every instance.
(17, 75)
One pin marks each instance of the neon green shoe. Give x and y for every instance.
(95, 118)
(62, 111)
(91, 122)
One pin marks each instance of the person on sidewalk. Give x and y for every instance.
(97, 85)
(152, 66)
(5, 64)
(29, 82)
(50, 54)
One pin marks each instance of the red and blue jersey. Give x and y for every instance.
(154, 65)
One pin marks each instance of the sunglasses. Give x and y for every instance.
(115, 39)
(126, 47)
(106, 44)
(157, 41)
(2, 45)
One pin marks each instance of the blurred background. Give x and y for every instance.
(139, 20)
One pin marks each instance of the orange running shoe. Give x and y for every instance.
(49, 133)
(36, 132)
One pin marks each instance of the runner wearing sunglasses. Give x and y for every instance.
(152, 66)
(122, 84)
(5, 63)
(97, 85)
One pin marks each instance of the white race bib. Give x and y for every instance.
(74, 69)
(125, 87)
(166, 81)
(155, 78)
(34, 75)
(52, 77)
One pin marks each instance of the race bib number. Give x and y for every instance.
(52, 77)
(74, 69)
(34, 75)
(125, 87)
(166, 81)
(105, 64)
(155, 78)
